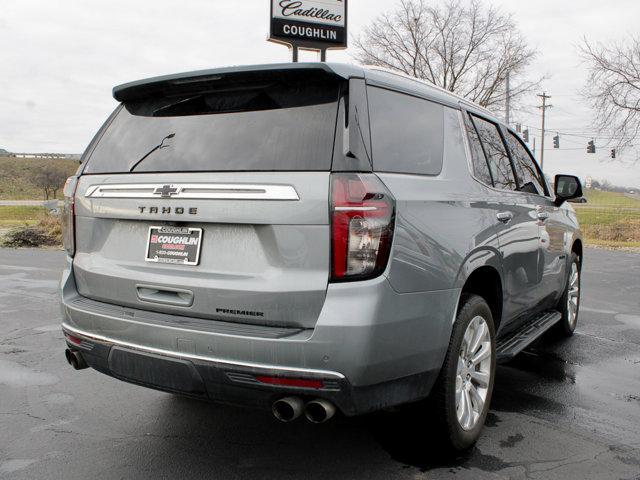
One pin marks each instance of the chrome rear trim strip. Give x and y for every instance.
(204, 191)
(192, 356)
(355, 209)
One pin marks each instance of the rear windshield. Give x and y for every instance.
(256, 127)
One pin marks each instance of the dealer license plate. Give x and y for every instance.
(174, 245)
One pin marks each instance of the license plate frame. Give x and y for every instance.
(162, 252)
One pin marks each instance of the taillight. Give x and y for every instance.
(68, 215)
(362, 219)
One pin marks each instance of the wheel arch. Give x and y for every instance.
(576, 248)
(482, 274)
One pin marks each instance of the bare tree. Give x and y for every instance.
(613, 88)
(463, 47)
(50, 180)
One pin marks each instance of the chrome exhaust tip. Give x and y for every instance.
(287, 409)
(319, 410)
(75, 359)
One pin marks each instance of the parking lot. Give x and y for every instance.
(562, 409)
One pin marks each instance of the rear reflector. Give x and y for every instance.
(72, 339)
(362, 221)
(291, 382)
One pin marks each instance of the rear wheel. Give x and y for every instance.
(569, 304)
(462, 393)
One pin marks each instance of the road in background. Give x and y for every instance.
(27, 203)
(561, 410)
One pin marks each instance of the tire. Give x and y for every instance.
(446, 403)
(567, 325)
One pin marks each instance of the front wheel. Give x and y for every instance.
(462, 393)
(569, 304)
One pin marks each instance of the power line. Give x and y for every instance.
(585, 134)
(578, 148)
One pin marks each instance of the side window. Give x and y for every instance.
(496, 152)
(529, 179)
(479, 161)
(406, 133)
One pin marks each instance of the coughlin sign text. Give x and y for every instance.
(316, 24)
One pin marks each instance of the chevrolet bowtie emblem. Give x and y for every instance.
(167, 191)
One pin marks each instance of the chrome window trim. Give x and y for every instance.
(192, 356)
(202, 191)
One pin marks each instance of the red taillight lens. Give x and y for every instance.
(72, 339)
(68, 216)
(362, 219)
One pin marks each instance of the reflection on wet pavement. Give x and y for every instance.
(563, 409)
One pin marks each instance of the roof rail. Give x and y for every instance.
(430, 85)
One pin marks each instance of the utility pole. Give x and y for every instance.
(507, 106)
(544, 107)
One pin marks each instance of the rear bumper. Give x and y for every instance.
(237, 384)
(371, 348)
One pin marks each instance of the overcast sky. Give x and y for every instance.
(60, 59)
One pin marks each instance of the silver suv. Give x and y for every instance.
(314, 238)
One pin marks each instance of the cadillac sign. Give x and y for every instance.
(310, 24)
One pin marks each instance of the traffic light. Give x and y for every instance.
(525, 135)
(556, 141)
(591, 147)
(613, 153)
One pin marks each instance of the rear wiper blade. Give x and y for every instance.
(160, 146)
(174, 104)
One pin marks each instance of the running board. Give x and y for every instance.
(509, 346)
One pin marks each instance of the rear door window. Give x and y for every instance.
(277, 126)
(479, 161)
(529, 179)
(407, 133)
(496, 153)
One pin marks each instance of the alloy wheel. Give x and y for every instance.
(573, 297)
(473, 375)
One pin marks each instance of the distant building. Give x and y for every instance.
(71, 156)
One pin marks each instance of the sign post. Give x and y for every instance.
(317, 25)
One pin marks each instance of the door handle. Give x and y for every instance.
(504, 217)
(166, 296)
(542, 216)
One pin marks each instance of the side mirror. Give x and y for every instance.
(566, 187)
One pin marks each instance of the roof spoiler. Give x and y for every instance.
(204, 80)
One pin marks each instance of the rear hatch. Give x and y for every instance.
(209, 199)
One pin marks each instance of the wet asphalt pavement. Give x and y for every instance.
(563, 409)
